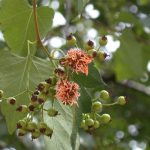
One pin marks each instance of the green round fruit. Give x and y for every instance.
(48, 132)
(11, 101)
(96, 124)
(101, 56)
(89, 45)
(22, 108)
(31, 126)
(71, 40)
(83, 125)
(121, 100)
(89, 122)
(104, 95)
(42, 127)
(1, 93)
(103, 41)
(52, 112)
(21, 124)
(36, 134)
(21, 132)
(96, 106)
(105, 118)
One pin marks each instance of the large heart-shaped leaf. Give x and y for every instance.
(16, 18)
(17, 74)
(65, 135)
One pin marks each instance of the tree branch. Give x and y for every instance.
(39, 41)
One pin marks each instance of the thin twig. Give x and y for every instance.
(39, 41)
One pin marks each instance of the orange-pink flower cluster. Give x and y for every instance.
(67, 92)
(78, 60)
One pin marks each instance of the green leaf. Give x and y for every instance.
(128, 60)
(16, 75)
(127, 17)
(65, 136)
(16, 18)
(93, 79)
(81, 4)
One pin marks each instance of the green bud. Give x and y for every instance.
(89, 45)
(52, 112)
(121, 100)
(48, 132)
(1, 93)
(101, 56)
(41, 98)
(83, 125)
(97, 106)
(31, 126)
(22, 108)
(103, 41)
(71, 40)
(96, 124)
(89, 122)
(105, 118)
(11, 101)
(21, 132)
(104, 95)
(42, 127)
(21, 124)
(36, 134)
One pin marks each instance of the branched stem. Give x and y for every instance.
(112, 104)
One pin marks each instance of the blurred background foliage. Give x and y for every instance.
(126, 23)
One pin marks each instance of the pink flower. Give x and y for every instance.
(67, 92)
(78, 60)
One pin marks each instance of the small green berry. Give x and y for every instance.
(101, 56)
(52, 112)
(22, 108)
(121, 100)
(96, 124)
(41, 98)
(49, 80)
(11, 101)
(31, 126)
(1, 93)
(21, 132)
(105, 118)
(21, 124)
(89, 45)
(104, 95)
(83, 125)
(89, 122)
(103, 41)
(43, 87)
(96, 106)
(31, 107)
(48, 132)
(71, 40)
(36, 134)
(42, 127)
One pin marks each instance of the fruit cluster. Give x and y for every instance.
(61, 87)
(90, 47)
(93, 120)
(43, 91)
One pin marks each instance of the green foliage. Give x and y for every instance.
(63, 125)
(128, 58)
(19, 74)
(18, 23)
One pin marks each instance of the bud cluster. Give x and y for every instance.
(94, 119)
(26, 126)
